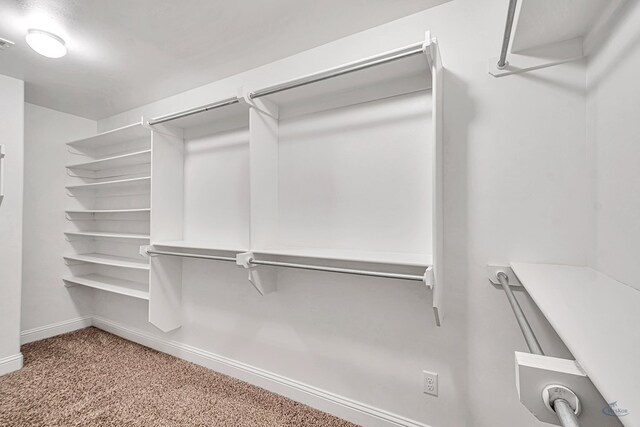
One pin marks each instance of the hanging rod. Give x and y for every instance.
(336, 72)
(561, 407)
(529, 336)
(340, 270)
(188, 255)
(169, 117)
(506, 38)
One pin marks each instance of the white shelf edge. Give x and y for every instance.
(108, 235)
(107, 211)
(344, 66)
(375, 257)
(82, 141)
(110, 284)
(109, 260)
(198, 245)
(87, 165)
(108, 184)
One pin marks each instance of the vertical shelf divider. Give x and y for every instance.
(263, 134)
(165, 279)
(437, 77)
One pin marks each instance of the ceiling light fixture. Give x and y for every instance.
(46, 43)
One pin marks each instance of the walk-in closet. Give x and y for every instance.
(418, 213)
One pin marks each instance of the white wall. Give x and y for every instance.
(516, 189)
(613, 135)
(11, 135)
(45, 300)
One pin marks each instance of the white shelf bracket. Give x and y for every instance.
(429, 47)
(261, 104)
(428, 278)
(145, 123)
(264, 279)
(143, 250)
(540, 379)
(69, 284)
(492, 274)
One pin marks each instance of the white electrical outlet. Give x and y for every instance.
(430, 380)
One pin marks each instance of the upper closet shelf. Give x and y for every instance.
(229, 113)
(551, 32)
(396, 72)
(117, 136)
(375, 257)
(562, 21)
(123, 160)
(203, 245)
(597, 318)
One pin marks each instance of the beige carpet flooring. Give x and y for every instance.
(92, 378)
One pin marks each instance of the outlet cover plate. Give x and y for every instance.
(430, 383)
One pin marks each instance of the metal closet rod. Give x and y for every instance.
(314, 78)
(561, 407)
(293, 265)
(511, 13)
(339, 270)
(188, 255)
(167, 118)
(529, 336)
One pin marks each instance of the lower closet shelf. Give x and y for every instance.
(110, 284)
(110, 260)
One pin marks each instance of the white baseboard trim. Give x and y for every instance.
(48, 331)
(323, 400)
(10, 363)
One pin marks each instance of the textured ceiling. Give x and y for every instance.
(125, 53)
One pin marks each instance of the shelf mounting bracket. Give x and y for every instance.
(263, 278)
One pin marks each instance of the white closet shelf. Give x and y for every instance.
(121, 183)
(110, 260)
(597, 318)
(111, 284)
(199, 245)
(123, 160)
(376, 257)
(108, 211)
(393, 73)
(107, 235)
(222, 118)
(116, 136)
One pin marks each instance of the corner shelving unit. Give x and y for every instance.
(301, 172)
(109, 212)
